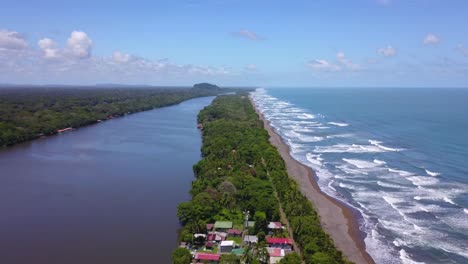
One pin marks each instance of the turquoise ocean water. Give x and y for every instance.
(398, 156)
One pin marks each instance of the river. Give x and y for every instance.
(106, 193)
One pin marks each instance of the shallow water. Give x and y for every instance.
(396, 155)
(106, 193)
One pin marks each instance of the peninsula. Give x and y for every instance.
(244, 205)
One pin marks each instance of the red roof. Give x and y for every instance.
(277, 240)
(275, 252)
(207, 256)
(234, 231)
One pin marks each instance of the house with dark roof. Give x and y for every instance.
(234, 232)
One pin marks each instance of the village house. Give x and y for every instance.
(276, 254)
(222, 226)
(250, 239)
(226, 246)
(216, 236)
(275, 225)
(234, 232)
(282, 243)
(207, 257)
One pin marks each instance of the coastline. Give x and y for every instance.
(337, 219)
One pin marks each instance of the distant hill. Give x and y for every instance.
(206, 86)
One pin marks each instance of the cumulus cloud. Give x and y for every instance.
(12, 40)
(341, 64)
(121, 57)
(431, 39)
(247, 34)
(462, 49)
(74, 63)
(49, 48)
(388, 51)
(79, 45)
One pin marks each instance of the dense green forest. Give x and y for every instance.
(28, 113)
(241, 170)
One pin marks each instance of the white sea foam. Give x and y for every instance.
(351, 187)
(380, 162)
(379, 145)
(406, 259)
(465, 210)
(361, 164)
(351, 171)
(345, 148)
(340, 136)
(314, 159)
(330, 185)
(390, 185)
(422, 180)
(448, 200)
(401, 172)
(431, 173)
(305, 116)
(338, 124)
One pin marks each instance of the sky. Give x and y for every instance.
(321, 43)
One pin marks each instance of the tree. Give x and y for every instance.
(181, 256)
(322, 258)
(260, 221)
(229, 259)
(292, 258)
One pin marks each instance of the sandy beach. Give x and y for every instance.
(338, 220)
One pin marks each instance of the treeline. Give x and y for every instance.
(28, 113)
(239, 171)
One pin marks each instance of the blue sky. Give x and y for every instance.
(231, 42)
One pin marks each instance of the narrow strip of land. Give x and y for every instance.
(337, 220)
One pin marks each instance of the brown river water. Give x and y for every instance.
(106, 193)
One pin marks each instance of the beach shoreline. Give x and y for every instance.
(337, 219)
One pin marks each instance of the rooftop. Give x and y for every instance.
(226, 243)
(274, 225)
(277, 240)
(207, 256)
(223, 224)
(252, 239)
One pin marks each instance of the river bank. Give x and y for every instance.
(338, 220)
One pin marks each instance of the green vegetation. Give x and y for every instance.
(181, 256)
(239, 171)
(28, 113)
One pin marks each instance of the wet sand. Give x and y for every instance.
(337, 219)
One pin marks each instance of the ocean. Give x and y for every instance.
(398, 156)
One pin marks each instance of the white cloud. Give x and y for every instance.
(340, 56)
(342, 64)
(247, 34)
(323, 65)
(49, 48)
(431, 39)
(388, 51)
(462, 49)
(12, 40)
(121, 57)
(79, 45)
